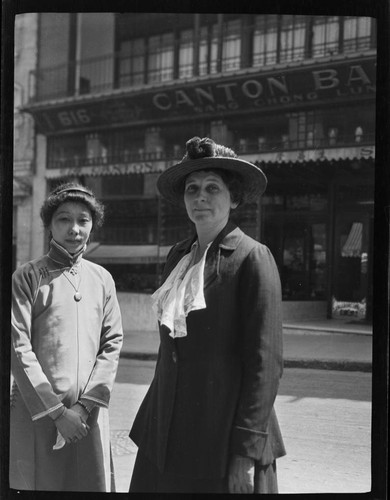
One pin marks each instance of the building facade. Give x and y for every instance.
(115, 97)
(25, 61)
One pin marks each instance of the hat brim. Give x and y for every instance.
(170, 182)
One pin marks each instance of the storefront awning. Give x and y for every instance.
(353, 245)
(282, 157)
(315, 154)
(126, 254)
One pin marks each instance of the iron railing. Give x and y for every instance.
(104, 73)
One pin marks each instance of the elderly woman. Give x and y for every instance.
(66, 338)
(207, 423)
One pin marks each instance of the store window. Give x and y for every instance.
(295, 230)
(265, 40)
(304, 261)
(357, 33)
(129, 222)
(120, 185)
(349, 298)
(326, 32)
(160, 58)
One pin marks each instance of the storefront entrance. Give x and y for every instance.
(298, 243)
(352, 275)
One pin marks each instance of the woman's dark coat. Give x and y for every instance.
(213, 391)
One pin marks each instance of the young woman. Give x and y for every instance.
(66, 339)
(207, 423)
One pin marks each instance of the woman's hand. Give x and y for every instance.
(241, 474)
(71, 426)
(80, 411)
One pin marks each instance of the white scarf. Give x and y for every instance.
(181, 293)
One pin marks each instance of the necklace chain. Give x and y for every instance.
(74, 271)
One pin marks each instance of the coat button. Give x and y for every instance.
(174, 357)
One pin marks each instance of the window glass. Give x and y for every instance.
(66, 151)
(357, 32)
(265, 40)
(351, 268)
(160, 60)
(129, 221)
(231, 50)
(203, 50)
(186, 54)
(317, 265)
(325, 36)
(132, 62)
(119, 185)
(292, 38)
(214, 49)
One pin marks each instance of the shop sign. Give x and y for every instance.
(344, 309)
(286, 88)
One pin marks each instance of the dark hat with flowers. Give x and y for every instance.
(205, 154)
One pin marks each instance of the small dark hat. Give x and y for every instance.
(205, 154)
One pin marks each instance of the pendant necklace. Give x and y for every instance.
(77, 296)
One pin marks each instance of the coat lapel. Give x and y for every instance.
(225, 243)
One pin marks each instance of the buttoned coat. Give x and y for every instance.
(213, 391)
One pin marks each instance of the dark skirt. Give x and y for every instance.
(147, 478)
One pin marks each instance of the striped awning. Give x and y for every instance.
(353, 245)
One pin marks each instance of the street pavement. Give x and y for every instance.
(324, 415)
(325, 344)
(323, 405)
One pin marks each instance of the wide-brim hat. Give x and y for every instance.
(170, 183)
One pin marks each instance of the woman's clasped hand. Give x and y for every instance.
(72, 426)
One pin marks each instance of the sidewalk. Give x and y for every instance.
(326, 344)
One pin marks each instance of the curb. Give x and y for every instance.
(314, 364)
(329, 364)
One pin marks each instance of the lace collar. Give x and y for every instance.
(181, 293)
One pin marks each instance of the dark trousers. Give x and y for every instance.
(147, 478)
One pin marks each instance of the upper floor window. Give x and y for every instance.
(292, 38)
(186, 53)
(265, 40)
(160, 58)
(326, 32)
(208, 50)
(170, 48)
(132, 62)
(231, 45)
(357, 33)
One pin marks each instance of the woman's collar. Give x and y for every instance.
(59, 254)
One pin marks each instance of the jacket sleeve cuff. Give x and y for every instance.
(248, 442)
